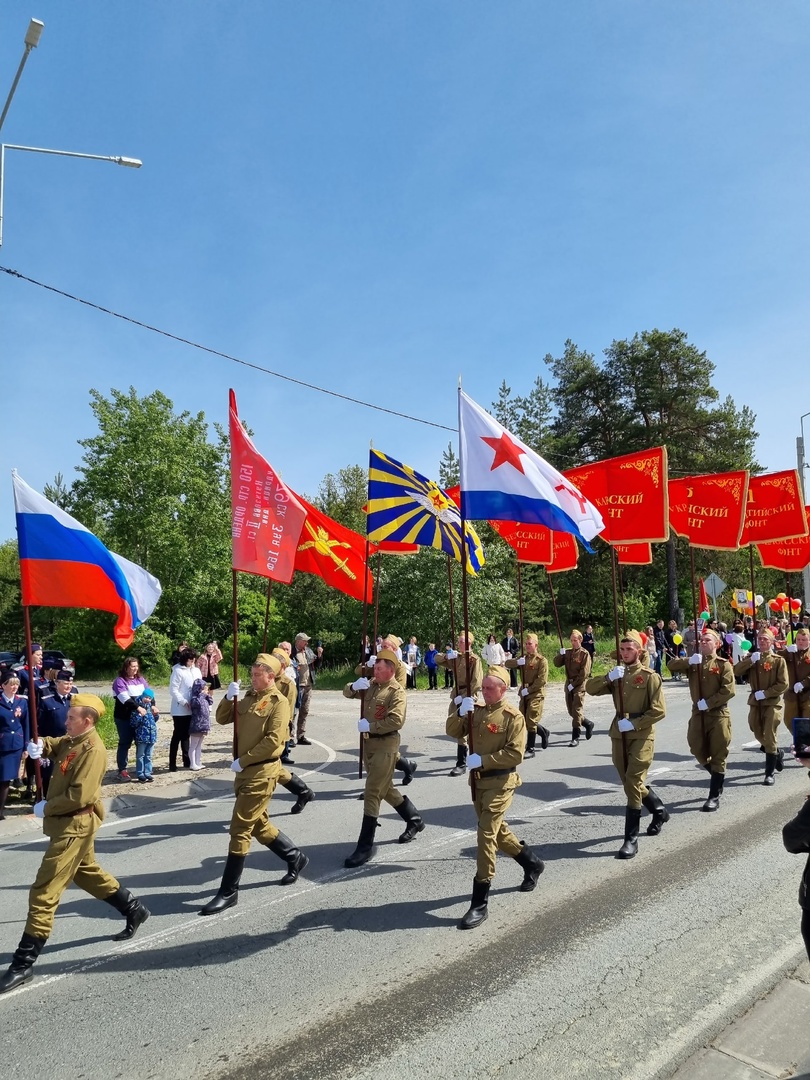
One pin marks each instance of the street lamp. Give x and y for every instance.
(32, 36)
(131, 163)
(800, 444)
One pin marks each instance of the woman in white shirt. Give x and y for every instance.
(493, 652)
(183, 675)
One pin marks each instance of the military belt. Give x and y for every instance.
(76, 813)
(495, 772)
(630, 716)
(380, 735)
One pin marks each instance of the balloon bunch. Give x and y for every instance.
(780, 604)
(747, 608)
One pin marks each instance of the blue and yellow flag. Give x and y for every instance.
(405, 506)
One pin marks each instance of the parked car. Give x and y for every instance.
(53, 658)
(9, 660)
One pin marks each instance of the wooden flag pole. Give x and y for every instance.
(376, 603)
(466, 612)
(697, 642)
(619, 700)
(363, 734)
(621, 594)
(520, 616)
(267, 613)
(235, 662)
(554, 606)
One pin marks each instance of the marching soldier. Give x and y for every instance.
(768, 679)
(639, 707)
(577, 664)
(468, 672)
(711, 684)
(70, 818)
(287, 779)
(263, 719)
(497, 732)
(383, 716)
(797, 695)
(391, 642)
(534, 667)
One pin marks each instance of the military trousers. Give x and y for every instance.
(452, 710)
(494, 834)
(796, 707)
(304, 696)
(68, 859)
(764, 722)
(380, 762)
(709, 738)
(574, 703)
(632, 758)
(532, 710)
(249, 817)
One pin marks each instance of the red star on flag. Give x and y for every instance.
(507, 452)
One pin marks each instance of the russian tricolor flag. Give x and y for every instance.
(63, 565)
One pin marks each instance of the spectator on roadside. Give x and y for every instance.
(183, 675)
(659, 633)
(305, 662)
(430, 664)
(449, 677)
(175, 657)
(208, 662)
(652, 651)
(511, 650)
(589, 641)
(127, 688)
(14, 732)
(53, 706)
(201, 701)
(413, 658)
(31, 669)
(493, 652)
(144, 724)
(671, 650)
(796, 838)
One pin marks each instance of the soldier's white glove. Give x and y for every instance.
(458, 700)
(562, 652)
(793, 648)
(754, 657)
(451, 654)
(473, 761)
(521, 661)
(235, 766)
(524, 691)
(232, 691)
(466, 707)
(626, 725)
(759, 695)
(570, 687)
(372, 660)
(363, 724)
(696, 658)
(361, 684)
(34, 749)
(616, 673)
(703, 705)
(39, 809)
(798, 688)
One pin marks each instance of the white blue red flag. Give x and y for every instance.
(62, 564)
(503, 480)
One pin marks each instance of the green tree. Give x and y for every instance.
(448, 468)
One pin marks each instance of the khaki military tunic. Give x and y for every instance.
(534, 679)
(262, 725)
(290, 691)
(769, 674)
(73, 814)
(577, 664)
(498, 733)
(798, 667)
(459, 669)
(632, 751)
(709, 733)
(400, 673)
(384, 707)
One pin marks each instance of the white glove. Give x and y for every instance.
(798, 688)
(696, 658)
(562, 652)
(616, 673)
(570, 687)
(466, 707)
(363, 724)
(232, 691)
(759, 695)
(39, 809)
(754, 657)
(473, 761)
(235, 766)
(703, 705)
(793, 648)
(34, 749)
(521, 661)
(451, 654)
(524, 691)
(626, 725)
(372, 660)
(458, 700)
(361, 684)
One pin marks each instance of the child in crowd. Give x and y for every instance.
(144, 724)
(201, 701)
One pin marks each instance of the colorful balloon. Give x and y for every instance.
(677, 639)
(745, 645)
(704, 615)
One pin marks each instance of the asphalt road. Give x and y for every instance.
(609, 969)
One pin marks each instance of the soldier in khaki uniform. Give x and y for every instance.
(70, 818)
(459, 661)
(577, 664)
(384, 703)
(534, 670)
(391, 642)
(797, 695)
(263, 719)
(288, 779)
(497, 734)
(632, 735)
(711, 684)
(768, 679)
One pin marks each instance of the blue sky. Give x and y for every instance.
(379, 195)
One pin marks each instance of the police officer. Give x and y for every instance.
(71, 817)
(384, 703)
(797, 695)
(263, 720)
(497, 734)
(577, 664)
(53, 705)
(534, 670)
(287, 685)
(14, 732)
(767, 676)
(639, 707)
(711, 685)
(468, 672)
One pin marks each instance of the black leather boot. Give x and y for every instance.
(365, 845)
(532, 867)
(295, 859)
(575, 733)
(461, 761)
(409, 814)
(478, 906)
(531, 739)
(770, 769)
(408, 767)
(229, 887)
(632, 820)
(660, 814)
(715, 791)
(22, 962)
(544, 734)
(780, 760)
(134, 911)
(588, 725)
(305, 794)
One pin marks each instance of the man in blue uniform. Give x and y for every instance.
(53, 706)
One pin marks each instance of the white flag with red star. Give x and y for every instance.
(503, 480)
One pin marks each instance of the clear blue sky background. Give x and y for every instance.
(380, 195)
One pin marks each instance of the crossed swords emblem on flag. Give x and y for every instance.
(325, 546)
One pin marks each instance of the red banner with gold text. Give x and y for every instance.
(788, 555)
(333, 552)
(631, 494)
(709, 510)
(775, 508)
(634, 554)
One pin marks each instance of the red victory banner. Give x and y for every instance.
(564, 553)
(709, 510)
(266, 516)
(788, 555)
(531, 543)
(630, 492)
(774, 509)
(335, 553)
(393, 547)
(634, 554)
